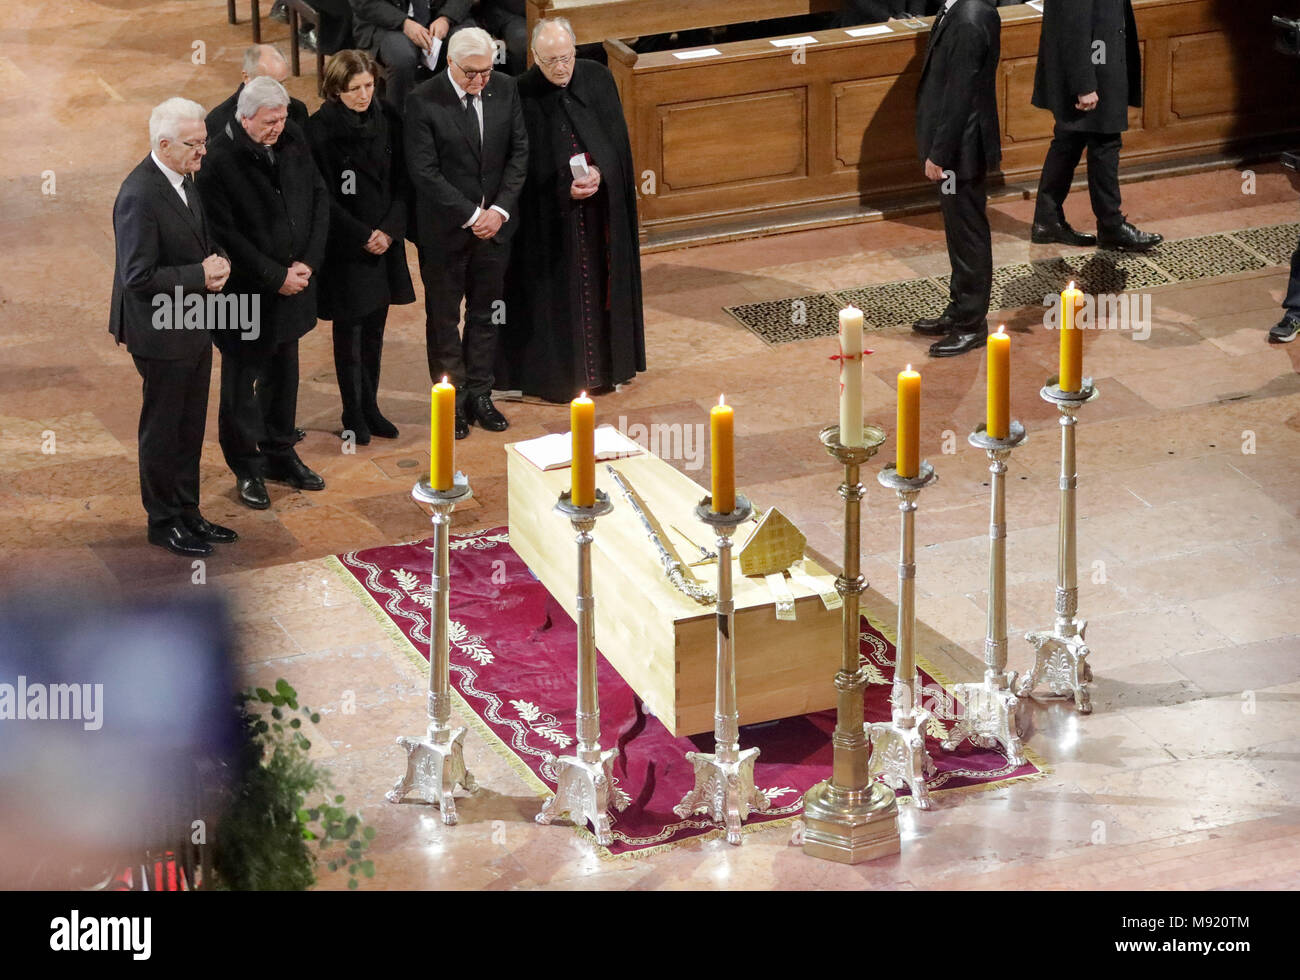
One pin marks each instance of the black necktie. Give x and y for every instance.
(192, 197)
(471, 118)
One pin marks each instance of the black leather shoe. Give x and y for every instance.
(360, 431)
(960, 341)
(205, 530)
(1126, 238)
(293, 471)
(299, 435)
(380, 426)
(1062, 234)
(462, 426)
(177, 539)
(486, 413)
(252, 492)
(934, 326)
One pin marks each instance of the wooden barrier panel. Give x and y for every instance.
(760, 138)
(598, 20)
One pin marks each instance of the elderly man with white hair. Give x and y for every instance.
(467, 155)
(260, 61)
(270, 210)
(167, 258)
(573, 292)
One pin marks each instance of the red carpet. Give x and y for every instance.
(514, 662)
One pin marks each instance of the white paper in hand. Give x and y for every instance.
(578, 166)
(431, 56)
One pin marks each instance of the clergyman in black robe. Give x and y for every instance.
(573, 292)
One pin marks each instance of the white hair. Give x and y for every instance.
(166, 118)
(471, 41)
(253, 58)
(260, 93)
(552, 21)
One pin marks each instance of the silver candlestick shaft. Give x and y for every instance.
(724, 778)
(1060, 655)
(987, 712)
(898, 752)
(435, 761)
(585, 782)
(850, 817)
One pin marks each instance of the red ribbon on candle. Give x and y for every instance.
(845, 358)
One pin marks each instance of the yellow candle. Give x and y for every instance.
(722, 432)
(850, 376)
(582, 427)
(997, 421)
(907, 462)
(1071, 367)
(442, 435)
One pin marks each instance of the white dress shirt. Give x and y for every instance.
(176, 180)
(478, 110)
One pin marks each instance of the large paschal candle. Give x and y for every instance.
(850, 376)
(582, 425)
(908, 461)
(722, 421)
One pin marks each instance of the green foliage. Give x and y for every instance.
(280, 821)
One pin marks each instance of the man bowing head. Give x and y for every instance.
(467, 154)
(574, 320)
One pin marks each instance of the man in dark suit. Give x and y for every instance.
(166, 261)
(260, 60)
(399, 34)
(958, 137)
(1089, 73)
(467, 154)
(270, 210)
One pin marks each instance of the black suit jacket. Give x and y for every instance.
(451, 176)
(220, 115)
(160, 245)
(267, 216)
(1070, 63)
(369, 17)
(956, 103)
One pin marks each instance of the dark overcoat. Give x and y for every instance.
(361, 159)
(1089, 46)
(267, 215)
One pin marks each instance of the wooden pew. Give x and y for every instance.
(597, 20)
(759, 138)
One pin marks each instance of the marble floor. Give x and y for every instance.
(1186, 776)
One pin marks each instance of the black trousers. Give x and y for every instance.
(1103, 176)
(1292, 302)
(970, 248)
(358, 347)
(402, 59)
(173, 416)
(259, 397)
(475, 270)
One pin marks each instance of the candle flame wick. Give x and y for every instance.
(444, 379)
(1070, 289)
(720, 401)
(583, 395)
(1002, 328)
(909, 367)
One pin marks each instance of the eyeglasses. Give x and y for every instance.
(473, 73)
(564, 60)
(194, 143)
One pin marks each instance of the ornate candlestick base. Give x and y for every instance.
(851, 818)
(435, 761)
(724, 778)
(1060, 652)
(585, 781)
(988, 714)
(898, 753)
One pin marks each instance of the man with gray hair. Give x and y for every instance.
(467, 154)
(166, 259)
(261, 60)
(270, 209)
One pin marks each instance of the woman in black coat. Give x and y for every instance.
(357, 142)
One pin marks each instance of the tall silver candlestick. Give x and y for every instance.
(987, 715)
(850, 817)
(1060, 655)
(584, 782)
(898, 752)
(724, 778)
(435, 761)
